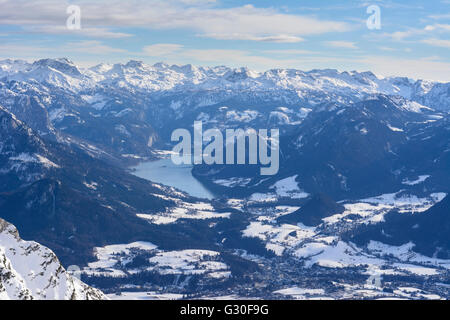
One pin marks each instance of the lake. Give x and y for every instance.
(165, 172)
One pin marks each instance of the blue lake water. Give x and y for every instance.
(165, 172)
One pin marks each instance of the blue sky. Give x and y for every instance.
(414, 39)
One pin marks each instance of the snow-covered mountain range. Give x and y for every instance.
(126, 109)
(355, 149)
(314, 86)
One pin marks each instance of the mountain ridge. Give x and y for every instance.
(162, 77)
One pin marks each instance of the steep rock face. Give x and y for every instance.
(31, 109)
(23, 156)
(31, 271)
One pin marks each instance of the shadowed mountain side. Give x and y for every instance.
(429, 231)
(320, 206)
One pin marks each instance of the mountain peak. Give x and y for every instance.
(63, 65)
(134, 64)
(55, 61)
(161, 65)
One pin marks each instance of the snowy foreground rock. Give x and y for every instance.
(31, 271)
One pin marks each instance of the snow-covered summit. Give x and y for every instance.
(61, 73)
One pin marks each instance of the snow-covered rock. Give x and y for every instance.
(30, 271)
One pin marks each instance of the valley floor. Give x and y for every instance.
(304, 262)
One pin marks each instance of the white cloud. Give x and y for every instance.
(201, 16)
(23, 50)
(342, 44)
(260, 24)
(42, 50)
(161, 49)
(217, 55)
(402, 35)
(91, 47)
(414, 32)
(440, 16)
(426, 68)
(283, 38)
(387, 49)
(92, 32)
(198, 2)
(438, 27)
(437, 42)
(291, 52)
(421, 34)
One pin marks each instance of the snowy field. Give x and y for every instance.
(185, 210)
(113, 261)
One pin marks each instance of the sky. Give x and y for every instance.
(413, 38)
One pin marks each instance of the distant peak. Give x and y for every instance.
(161, 65)
(63, 65)
(50, 61)
(368, 74)
(135, 64)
